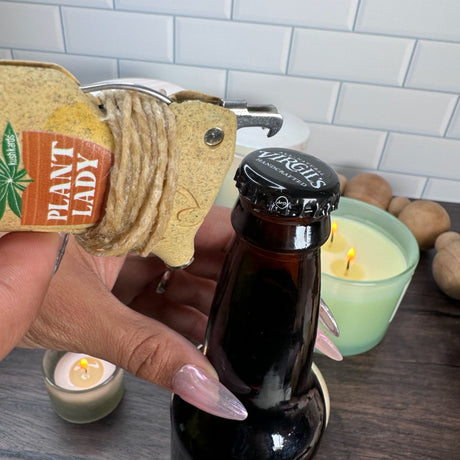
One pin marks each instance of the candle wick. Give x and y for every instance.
(347, 268)
(350, 257)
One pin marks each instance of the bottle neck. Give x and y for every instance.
(279, 234)
(264, 317)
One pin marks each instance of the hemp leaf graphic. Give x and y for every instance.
(11, 179)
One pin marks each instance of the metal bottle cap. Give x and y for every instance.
(288, 183)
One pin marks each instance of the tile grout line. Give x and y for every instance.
(451, 118)
(409, 64)
(425, 186)
(227, 78)
(336, 105)
(382, 153)
(358, 7)
(288, 60)
(174, 39)
(61, 20)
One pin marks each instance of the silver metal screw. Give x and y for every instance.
(213, 136)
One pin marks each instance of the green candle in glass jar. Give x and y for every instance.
(364, 288)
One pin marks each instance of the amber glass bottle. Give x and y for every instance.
(262, 327)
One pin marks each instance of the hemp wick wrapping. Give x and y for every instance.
(143, 177)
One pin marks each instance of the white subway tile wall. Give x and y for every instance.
(454, 128)
(435, 19)
(404, 152)
(353, 147)
(436, 65)
(88, 3)
(396, 109)
(238, 45)
(201, 8)
(378, 81)
(442, 189)
(328, 14)
(36, 27)
(118, 34)
(5, 54)
(212, 81)
(353, 57)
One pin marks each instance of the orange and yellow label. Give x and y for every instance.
(69, 179)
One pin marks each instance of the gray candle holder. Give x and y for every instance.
(86, 405)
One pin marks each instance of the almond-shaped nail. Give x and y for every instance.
(326, 346)
(207, 393)
(327, 318)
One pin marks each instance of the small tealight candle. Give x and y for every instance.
(77, 371)
(82, 388)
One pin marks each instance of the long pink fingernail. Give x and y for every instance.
(325, 345)
(207, 393)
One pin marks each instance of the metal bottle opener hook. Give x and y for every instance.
(263, 116)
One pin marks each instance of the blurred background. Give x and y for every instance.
(377, 81)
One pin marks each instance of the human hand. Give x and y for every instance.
(81, 314)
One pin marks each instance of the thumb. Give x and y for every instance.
(27, 261)
(152, 351)
(81, 315)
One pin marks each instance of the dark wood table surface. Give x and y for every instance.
(400, 400)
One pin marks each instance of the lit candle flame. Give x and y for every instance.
(351, 254)
(333, 231)
(84, 364)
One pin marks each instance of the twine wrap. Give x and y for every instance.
(143, 178)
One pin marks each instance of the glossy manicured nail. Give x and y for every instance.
(327, 318)
(325, 345)
(207, 393)
(61, 251)
(162, 285)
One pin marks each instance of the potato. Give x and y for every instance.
(397, 204)
(445, 239)
(446, 269)
(426, 220)
(371, 188)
